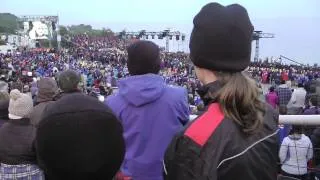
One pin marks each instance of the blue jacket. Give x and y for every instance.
(151, 113)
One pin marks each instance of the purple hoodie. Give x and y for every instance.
(311, 111)
(151, 114)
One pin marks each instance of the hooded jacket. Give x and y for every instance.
(295, 152)
(47, 91)
(213, 147)
(151, 113)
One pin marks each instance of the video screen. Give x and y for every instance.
(37, 29)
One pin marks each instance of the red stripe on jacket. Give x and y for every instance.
(203, 127)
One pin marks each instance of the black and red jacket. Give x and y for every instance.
(213, 147)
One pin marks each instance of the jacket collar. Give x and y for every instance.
(295, 136)
(204, 91)
(283, 86)
(23, 121)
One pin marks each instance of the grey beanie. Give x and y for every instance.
(68, 81)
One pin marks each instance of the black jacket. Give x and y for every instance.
(213, 147)
(16, 142)
(315, 139)
(4, 105)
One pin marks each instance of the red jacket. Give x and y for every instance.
(285, 76)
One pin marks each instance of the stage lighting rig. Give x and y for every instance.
(165, 34)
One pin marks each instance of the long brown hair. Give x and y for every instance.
(239, 100)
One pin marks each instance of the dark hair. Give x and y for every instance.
(239, 100)
(283, 82)
(315, 99)
(102, 90)
(143, 58)
(68, 81)
(300, 85)
(17, 85)
(271, 89)
(296, 129)
(200, 107)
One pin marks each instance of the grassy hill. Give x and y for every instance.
(8, 23)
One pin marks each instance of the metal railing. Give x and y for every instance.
(291, 119)
(299, 119)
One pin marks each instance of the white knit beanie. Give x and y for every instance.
(20, 106)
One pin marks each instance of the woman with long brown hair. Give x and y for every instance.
(236, 137)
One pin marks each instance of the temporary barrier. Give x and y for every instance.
(291, 119)
(300, 119)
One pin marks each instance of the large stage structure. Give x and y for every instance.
(290, 60)
(256, 36)
(39, 27)
(166, 34)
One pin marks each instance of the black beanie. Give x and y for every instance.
(79, 138)
(221, 38)
(68, 81)
(143, 58)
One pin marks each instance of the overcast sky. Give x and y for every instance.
(296, 23)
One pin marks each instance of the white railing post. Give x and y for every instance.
(292, 119)
(300, 119)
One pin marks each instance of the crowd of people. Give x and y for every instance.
(274, 73)
(298, 143)
(105, 108)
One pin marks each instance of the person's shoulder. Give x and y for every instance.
(74, 101)
(115, 102)
(175, 91)
(208, 123)
(309, 111)
(174, 88)
(316, 132)
(113, 98)
(286, 140)
(305, 138)
(40, 105)
(2, 122)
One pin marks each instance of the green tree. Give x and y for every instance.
(63, 31)
(107, 32)
(2, 42)
(80, 29)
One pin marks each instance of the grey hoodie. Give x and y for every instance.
(295, 151)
